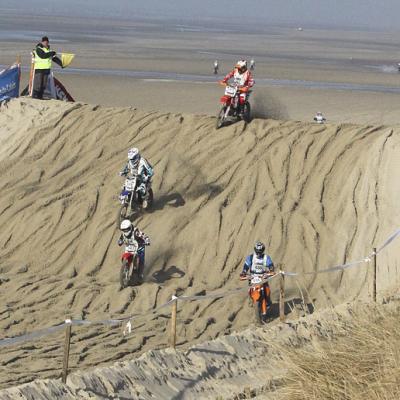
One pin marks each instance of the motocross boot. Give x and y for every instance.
(143, 194)
(140, 272)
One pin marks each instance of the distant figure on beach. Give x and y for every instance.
(319, 118)
(252, 65)
(398, 67)
(216, 67)
(42, 59)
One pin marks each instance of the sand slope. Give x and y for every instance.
(317, 195)
(226, 367)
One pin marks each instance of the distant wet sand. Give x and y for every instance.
(168, 66)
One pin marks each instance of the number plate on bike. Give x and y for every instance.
(130, 184)
(256, 279)
(132, 248)
(230, 91)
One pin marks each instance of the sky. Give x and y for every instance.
(372, 14)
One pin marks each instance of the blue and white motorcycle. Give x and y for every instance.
(134, 196)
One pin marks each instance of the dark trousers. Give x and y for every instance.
(40, 83)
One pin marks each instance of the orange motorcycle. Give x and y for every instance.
(259, 293)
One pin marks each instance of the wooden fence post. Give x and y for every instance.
(173, 321)
(67, 343)
(375, 268)
(282, 297)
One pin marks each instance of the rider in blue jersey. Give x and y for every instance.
(259, 263)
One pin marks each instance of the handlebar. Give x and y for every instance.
(243, 89)
(249, 276)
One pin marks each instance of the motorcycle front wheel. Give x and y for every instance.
(124, 276)
(221, 118)
(247, 113)
(258, 313)
(122, 214)
(135, 277)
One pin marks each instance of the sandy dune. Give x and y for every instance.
(229, 367)
(317, 195)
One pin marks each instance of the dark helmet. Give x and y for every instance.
(259, 248)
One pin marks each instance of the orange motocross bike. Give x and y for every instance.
(260, 294)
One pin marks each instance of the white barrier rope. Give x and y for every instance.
(114, 322)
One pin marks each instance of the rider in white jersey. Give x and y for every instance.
(242, 78)
(138, 166)
(258, 262)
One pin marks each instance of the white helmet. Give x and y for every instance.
(133, 154)
(126, 227)
(241, 65)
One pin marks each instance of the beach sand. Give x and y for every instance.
(317, 195)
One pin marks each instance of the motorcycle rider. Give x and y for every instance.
(259, 263)
(140, 167)
(129, 234)
(243, 78)
(319, 118)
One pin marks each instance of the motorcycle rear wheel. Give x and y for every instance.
(124, 276)
(150, 199)
(221, 118)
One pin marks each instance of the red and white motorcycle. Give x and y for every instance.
(231, 111)
(129, 273)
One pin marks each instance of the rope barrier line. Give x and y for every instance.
(115, 322)
(388, 241)
(223, 294)
(332, 269)
(350, 264)
(31, 336)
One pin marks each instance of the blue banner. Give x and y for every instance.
(9, 83)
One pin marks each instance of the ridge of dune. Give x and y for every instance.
(317, 195)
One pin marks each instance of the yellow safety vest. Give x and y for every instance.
(42, 63)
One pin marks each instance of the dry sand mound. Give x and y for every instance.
(318, 195)
(273, 363)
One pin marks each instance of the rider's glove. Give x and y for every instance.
(147, 242)
(122, 173)
(120, 242)
(243, 275)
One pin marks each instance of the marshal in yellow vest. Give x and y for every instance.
(42, 63)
